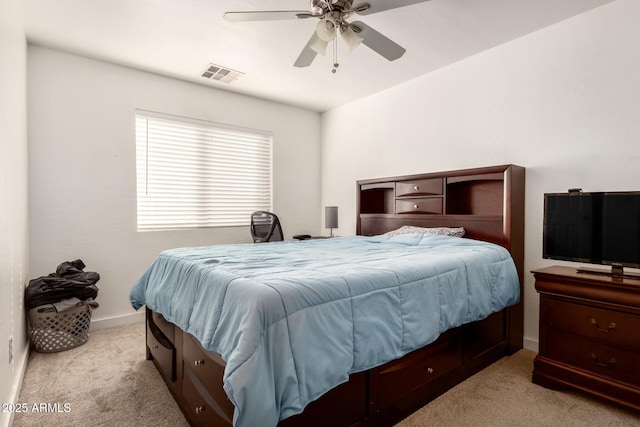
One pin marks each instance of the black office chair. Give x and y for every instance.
(265, 227)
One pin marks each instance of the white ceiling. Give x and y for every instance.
(179, 38)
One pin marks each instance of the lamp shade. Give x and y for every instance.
(331, 217)
(319, 45)
(326, 29)
(351, 39)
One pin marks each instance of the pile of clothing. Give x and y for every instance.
(69, 287)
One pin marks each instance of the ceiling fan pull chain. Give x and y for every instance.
(335, 56)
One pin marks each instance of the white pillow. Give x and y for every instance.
(410, 229)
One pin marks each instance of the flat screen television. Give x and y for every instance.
(595, 228)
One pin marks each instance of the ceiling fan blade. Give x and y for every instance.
(307, 55)
(376, 6)
(377, 42)
(268, 15)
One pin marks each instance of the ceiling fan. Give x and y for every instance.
(333, 15)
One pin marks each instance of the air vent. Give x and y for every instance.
(221, 74)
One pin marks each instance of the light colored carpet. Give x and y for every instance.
(108, 382)
(105, 382)
(503, 395)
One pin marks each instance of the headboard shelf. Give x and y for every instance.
(377, 200)
(379, 186)
(478, 177)
(475, 197)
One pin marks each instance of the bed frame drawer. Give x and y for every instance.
(396, 379)
(488, 334)
(162, 352)
(344, 405)
(208, 368)
(167, 328)
(200, 407)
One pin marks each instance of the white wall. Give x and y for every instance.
(82, 166)
(14, 249)
(563, 102)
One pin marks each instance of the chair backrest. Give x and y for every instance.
(265, 227)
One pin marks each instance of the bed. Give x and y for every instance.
(358, 330)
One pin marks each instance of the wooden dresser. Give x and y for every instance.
(589, 334)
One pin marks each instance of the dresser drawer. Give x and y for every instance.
(395, 380)
(167, 328)
(596, 357)
(432, 205)
(613, 327)
(199, 405)
(422, 187)
(208, 368)
(162, 351)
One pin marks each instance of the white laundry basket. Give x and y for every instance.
(52, 331)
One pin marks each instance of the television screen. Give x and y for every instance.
(598, 228)
(621, 229)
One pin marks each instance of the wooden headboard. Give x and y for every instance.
(488, 202)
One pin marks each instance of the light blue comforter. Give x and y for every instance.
(293, 319)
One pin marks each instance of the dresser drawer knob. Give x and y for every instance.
(594, 322)
(199, 409)
(199, 362)
(610, 364)
(429, 370)
(416, 206)
(416, 188)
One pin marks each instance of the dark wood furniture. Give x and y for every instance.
(589, 338)
(488, 202)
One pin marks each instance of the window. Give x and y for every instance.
(193, 173)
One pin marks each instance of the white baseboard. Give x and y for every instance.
(112, 322)
(22, 366)
(530, 344)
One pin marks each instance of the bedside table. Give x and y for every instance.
(589, 334)
(308, 237)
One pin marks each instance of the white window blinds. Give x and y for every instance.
(192, 173)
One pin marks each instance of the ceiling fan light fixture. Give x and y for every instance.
(351, 39)
(326, 29)
(333, 18)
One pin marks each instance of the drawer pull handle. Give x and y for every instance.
(199, 409)
(416, 188)
(429, 370)
(416, 206)
(610, 364)
(594, 322)
(155, 347)
(199, 362)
